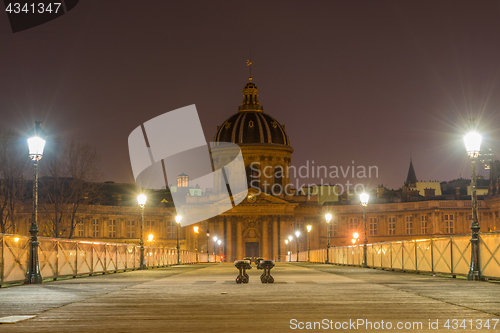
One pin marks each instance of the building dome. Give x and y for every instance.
(251, 125)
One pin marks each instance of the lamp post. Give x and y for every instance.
(297, 234)
(215, 254)
(328, 218)
(473, 144)
(290, 238)
(141, 200)
(208, 242)
(36, 143)
(309, 227)
(364, 197)
(178, 221)
(196, 230)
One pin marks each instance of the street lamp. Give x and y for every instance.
(220, 250)
(196, 230)
(208, 242)
(36, 143)
(215, 254)
(328, 218)
(355, 237)
(297, 233)
(473, 144)
(178, 221)
(309, 227)
(141, 200)
(290, 238)
(364, 197)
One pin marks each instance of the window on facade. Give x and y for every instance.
(130, 229)
(170, 229)
(392, 225)
(150, 228)
(353, 225)
(449, 227)
(95, 228)
(333, 228)
(112, 228)
(80, 229)
(423, 223)
(409, 225)
(373, 226)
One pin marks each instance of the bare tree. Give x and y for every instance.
(72, 170)
(13, 166)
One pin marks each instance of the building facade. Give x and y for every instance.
(272, 210)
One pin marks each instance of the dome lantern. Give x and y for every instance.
(250, 98)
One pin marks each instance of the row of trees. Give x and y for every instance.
(69, 172)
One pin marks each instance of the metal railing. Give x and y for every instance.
(447, 255)
(65, 257)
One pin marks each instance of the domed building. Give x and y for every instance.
(254, 227)
(263, 141)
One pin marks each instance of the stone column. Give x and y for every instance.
(229, 242)
(265, 243)
(239, 240)
(318, 228)
(276, 242)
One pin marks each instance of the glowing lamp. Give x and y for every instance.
(328, 217)
(36, 142)
(473, 144)
(364, 197)
(141, 199)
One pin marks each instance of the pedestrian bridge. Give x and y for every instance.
(60, 258)
(205, 298)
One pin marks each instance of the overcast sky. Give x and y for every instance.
(364, 81)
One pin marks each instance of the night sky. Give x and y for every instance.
(369, 81)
